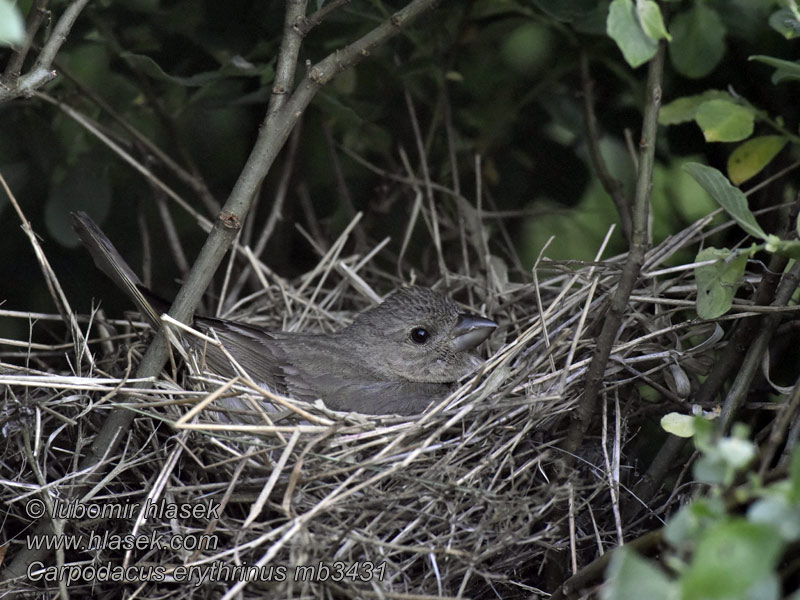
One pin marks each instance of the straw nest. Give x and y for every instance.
(469, 499)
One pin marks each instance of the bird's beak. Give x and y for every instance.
(470, 330)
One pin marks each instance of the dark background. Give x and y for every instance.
(503, 77)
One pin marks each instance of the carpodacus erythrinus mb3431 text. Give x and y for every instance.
(396, 357)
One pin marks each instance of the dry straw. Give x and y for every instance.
(466, 500)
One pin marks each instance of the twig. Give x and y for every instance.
(193, 179)
(610, 184)
(41, 71)
(426, 177)
(56, 292)
(755, 353)
(630, 273)
(14, 66)
(306, 24)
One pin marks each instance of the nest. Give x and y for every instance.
(469, 499)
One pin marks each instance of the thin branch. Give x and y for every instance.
(306, 24)
(41, 72)
(611, 185)
(287, 56)
(14, 66)
(641, 209)
(426, 177)
(787, 415)
(755, 353)
(193, 180)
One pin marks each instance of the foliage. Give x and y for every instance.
(713, 551)
(480, 112)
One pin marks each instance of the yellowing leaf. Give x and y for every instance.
(751, 157)
(678, 424)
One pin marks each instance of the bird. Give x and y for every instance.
(397, 357)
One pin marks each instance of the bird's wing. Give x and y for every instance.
(309, 367)
(255, 350)
(386, 397)
(110, 262)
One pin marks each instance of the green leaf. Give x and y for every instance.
(725, 121)
(683, 110)
(785, 22)
(12, 27)
(784, 69)
(630, 577)
(684, 528)
(751, 157)
(737, 452)
(787, 248)
(729, 197)
(698, 41)
(678, 424)
(717, 283)
(624, 28)
(651, 20)
(712, 469)
(778, 512)
(794, 475)
(527, 48)
(731, 557)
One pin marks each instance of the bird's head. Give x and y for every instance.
(419, 335)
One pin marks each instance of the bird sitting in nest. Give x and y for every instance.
(395, 358)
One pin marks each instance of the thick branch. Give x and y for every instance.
(639, 239)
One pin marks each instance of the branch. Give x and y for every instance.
(306, 24)
(611, 185)
(41, 72)
(14, 66)
(639, 240)
(756, 352)
(282, 114)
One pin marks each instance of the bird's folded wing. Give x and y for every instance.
(253, 348)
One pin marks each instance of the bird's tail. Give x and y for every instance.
(110, 262)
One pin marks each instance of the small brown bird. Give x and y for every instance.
(395, 358)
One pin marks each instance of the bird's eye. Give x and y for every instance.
(419, 335)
